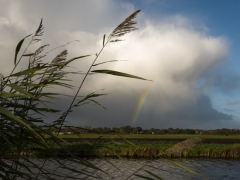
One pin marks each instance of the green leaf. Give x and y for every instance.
(183, 167)
(47, 110)
(105, 62)
(35, 85)
(143, 177)
(97, 103)
(60, 84)
(10, 95)
(91, 95)
(104, 39)
(128, 141)
(50, 95)
(73, 59)
(116, 73)
(18, 49)
(13, 117)
(19, 89)
(30, 54)
(28, 71)
(154, 175)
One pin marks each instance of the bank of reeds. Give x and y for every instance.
(148, 150)
(25, 101)
(231, 151)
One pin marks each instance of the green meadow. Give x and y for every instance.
(151, 136)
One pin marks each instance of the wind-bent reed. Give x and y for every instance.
(24, 99)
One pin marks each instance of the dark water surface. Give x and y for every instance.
(213, 169)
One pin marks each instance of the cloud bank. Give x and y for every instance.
(170, 51)
(172, 54)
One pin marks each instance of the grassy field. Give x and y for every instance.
(151, 136)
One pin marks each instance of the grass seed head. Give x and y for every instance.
(60, 57)
(125, 27)
(37, 57)
(39, 31)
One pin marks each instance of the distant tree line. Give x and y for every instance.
(139, 130)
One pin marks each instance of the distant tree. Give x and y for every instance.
(125, 130)
(136, 130)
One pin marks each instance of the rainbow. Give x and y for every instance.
(140, 103)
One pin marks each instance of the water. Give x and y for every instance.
(211, 169)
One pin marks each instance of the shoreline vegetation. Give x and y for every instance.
(148, 150)
(194, 147)
(137, 131)
(144, 146)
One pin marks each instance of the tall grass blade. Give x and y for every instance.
(28, 71)
(21, 90)
(18, 48)
(171, 172)
(183, 167)
(97, 103)
(71, 60)
(154, 175)
(7, 95)
(104, 36)
(127, 141)
(117, 73)
(107, 62)
(30, 54)
(12, 116)
(144, 177)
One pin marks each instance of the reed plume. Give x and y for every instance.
(125, 27)
(60, 57)
(36, 57)
(39, 32)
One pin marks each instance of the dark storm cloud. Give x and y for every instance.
(120, 112)
(225, 82)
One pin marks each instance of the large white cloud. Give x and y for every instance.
(171, 52)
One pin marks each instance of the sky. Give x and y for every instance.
(189, 49)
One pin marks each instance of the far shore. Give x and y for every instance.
(150, 136)
(218, 139)
(152, 146)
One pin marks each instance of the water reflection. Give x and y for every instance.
(128, 169)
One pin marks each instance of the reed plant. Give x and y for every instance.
(24, 102)
(25, 98)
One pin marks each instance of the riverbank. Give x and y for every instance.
(147, 150)
(152, 140)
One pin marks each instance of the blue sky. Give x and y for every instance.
(219, 16)
(190, 49)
